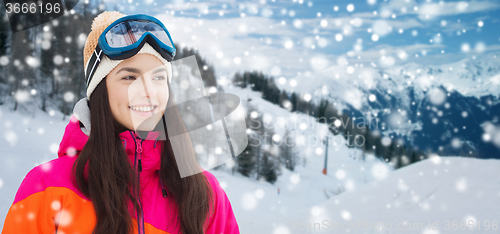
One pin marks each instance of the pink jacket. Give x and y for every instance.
(48, 201)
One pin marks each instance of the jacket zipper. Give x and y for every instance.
(138, 144)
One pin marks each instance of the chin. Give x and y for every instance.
(147, 124)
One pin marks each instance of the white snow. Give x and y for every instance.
(27, 140)
(437, 189)
(353, 189)
(471, 78)
(457, 190)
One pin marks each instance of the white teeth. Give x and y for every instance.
(142, 108)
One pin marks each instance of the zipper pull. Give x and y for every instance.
(163, 190)
(139, 145)
(140, 166)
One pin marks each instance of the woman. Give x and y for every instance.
(121, 176)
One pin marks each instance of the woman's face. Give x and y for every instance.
(138, 92)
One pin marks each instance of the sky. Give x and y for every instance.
(295, 37)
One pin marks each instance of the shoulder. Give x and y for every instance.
(211, 178)
(216, 189)
(42, 200)
(35, 181)
(58, 169)
(55, 173)
(214, 183)
(219, 193)
(222, 220)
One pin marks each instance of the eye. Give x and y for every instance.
(128, 78)
(159, 78)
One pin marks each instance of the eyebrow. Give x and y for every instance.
(161, 69)
(135, 70)
(129, 69)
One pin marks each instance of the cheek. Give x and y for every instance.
(163, 95)
(118, 101)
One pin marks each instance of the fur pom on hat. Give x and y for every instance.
(101, 22)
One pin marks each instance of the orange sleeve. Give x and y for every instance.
(33, 209)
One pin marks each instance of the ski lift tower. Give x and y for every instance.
(326, 156)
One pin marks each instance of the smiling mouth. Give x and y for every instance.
(143, 108)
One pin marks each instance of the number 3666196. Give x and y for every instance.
(471, 224)
(32, 8)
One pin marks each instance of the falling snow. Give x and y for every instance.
(363, 58)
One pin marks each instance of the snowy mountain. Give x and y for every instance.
(439, 109)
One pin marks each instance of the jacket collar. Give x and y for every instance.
(77, 133)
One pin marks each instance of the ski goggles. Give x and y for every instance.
(124, 37)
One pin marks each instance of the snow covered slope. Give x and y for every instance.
(439, 189)
(29, 141)
(442, 190)
(25, 143)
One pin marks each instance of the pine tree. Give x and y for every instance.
(322, 110)
(265, 90)
(293, 100)
(403, 158)
(282, 98)
(20, 44)
(4, 30)
(207, 71)
(288, 149)
(246, 161)
(239, 81)
(268, 168)
(394, 153)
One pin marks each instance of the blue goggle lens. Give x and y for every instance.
(128, 32)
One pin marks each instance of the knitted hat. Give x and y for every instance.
(101, 22)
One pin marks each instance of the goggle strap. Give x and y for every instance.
(94, 61)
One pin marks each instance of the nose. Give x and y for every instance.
(146, 87)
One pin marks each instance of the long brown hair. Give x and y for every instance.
(103, 174)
